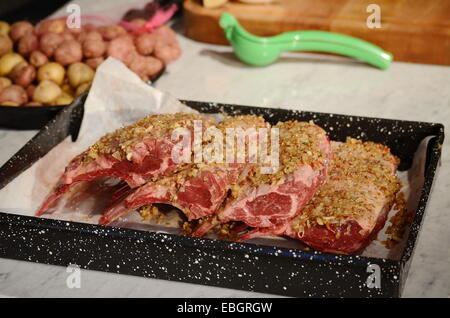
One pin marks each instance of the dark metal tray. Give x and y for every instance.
(244, 266)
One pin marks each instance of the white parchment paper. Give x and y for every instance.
(118, 97)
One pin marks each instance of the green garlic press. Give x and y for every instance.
(261, 51)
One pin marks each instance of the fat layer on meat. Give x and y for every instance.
(135, 153)
(267, 202)
(197, 191)
(352, 206)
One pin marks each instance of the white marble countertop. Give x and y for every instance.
(297, 81)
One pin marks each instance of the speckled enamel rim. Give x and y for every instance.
(211, 262)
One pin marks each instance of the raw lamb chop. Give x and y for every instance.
(352, 206)
(268, 202)
(135, 154)
(197, 191)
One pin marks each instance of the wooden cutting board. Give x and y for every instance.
(413, 30)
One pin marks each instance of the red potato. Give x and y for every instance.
(27, 44)
(6, 45)
(49, 42)
(14, 94)
(81, 36)
(94, 62)
(145, 43)
(16, 69)
(166, 48)
(66, 35)
(146, 66)
(111, 32)
(50, 26)
(75, 31)
(92, 35)
(24, 75)
(30, 91)
(89, 27)
(167, 33)
(20, 29)
(37, 58)
(122, 48)
(68, 52)
(94, 48)
(166, 52)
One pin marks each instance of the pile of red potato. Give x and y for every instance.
(50, 64)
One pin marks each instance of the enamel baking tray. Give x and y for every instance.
(33, 118)
(245, 266)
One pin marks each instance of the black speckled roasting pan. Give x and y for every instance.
(244, 266)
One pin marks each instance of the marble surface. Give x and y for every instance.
(298, 81)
